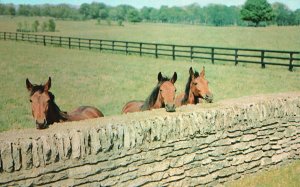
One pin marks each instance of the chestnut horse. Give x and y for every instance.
(46, 112)
(162, 96)
(196, 89)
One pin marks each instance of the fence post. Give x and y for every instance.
(141, 49)
(60, 41)
(69, 42)
(263, 65)
(291, 62)
(173, 52)
(192, 48)
(156, 55)
(22, 37)
(35, 38)
(113, 45)
(100, 45)
(89, 44)
(44, 40)
(236, 56)
(126, 48)
(79, 43)
(213, 55)
(4, 35)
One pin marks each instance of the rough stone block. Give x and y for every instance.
(7, 157)
(26, 152)
(16, 151)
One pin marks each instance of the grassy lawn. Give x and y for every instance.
(282, 176)
(109, 80)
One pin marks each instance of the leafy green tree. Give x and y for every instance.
(257, 11)
(51, 25)
(134, 16)
(283, 15)
(84, 10)
(35, 26)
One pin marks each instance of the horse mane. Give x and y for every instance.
(61, 114)
(187, 87)
(150, 101)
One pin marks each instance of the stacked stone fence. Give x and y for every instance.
(206, 144)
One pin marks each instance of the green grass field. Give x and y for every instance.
(287, 176)
(109, 80)
(276, 38)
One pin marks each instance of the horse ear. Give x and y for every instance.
(47, 85)
(191, 73)
(202, 74)
(159, 77)
(28, 85)
(174, 78)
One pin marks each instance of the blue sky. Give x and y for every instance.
(292, 4)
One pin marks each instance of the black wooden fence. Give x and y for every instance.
(290, 59)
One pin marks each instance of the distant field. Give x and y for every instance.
(277, 38)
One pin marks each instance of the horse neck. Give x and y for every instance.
(153, 100)
(189, 97)
(55, 114)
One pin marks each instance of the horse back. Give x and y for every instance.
(84, 112)
(132, 106)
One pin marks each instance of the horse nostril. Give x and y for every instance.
(170, 107)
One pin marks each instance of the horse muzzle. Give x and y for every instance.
(41, 125)
(170, 107)
(209, 98)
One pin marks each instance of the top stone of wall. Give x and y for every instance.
(31, 148)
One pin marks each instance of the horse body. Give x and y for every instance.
(132, 106)
(196, 90)
(162, 96)
(45, 111)
(84, 112)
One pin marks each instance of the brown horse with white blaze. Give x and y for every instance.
(46, 112)
(162, 96)
(196, 89)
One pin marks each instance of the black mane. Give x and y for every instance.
(61, 115)
(187, 88)
(150, 101)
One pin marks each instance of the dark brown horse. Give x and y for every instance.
(46, 112)
(162, 96)
(196, 89)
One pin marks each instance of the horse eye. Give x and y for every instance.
(160, 90)
(195, 83)
(175, 90)
(30, 100)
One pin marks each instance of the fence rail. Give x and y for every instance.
(262, 57)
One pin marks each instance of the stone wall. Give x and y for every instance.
(198, 145)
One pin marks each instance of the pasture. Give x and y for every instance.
(109, 80)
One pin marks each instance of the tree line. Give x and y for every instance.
(213, 14)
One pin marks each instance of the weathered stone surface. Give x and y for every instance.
(16, 151)
(6, 157)
(26, 150)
